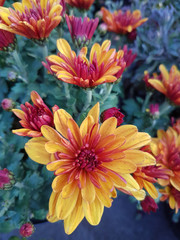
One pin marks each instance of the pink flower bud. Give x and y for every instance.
(112, 112)
(7, 104)
(102, 28)
(6, 179)
(149, 205)
(154, 110)
(26, 229)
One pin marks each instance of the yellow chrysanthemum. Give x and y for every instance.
(90, 163)
(169, 85)
(34, 19)
(104, 65)
(166, 149)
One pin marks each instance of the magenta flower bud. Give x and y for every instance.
(6, 179)
(149, 205)
(112, 112)
(154, 110)
(7, 104)
(27, 229)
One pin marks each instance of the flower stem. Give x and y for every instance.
(109, 87)
(66, 88)
(44, 51)
(87, 103)
(20, 65)
(165, 108)
(146, 101)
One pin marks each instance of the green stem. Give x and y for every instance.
(87, 103)
(66, 88)
(165, 108)
(20, 65)
(44, 51)
(146, 101)
(109, 87)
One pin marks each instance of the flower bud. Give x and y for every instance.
(12, 76)
(26, 229)
(154, 110)
(102, 28)
(112, 112)
(99, 14)
(7, 104)
(149, 205)
(6, 179)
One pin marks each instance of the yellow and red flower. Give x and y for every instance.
(90, 162)
(81, 30)
(122, 22)
(33, 117)
(103, 66)
(166, 149)
(129, 57)
(169, 85)
(147, 77)
(172, 195)
(81, 4)
(34, 19)
(7, 40)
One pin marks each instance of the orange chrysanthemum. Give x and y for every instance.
(169, 85)
(122, 22)
(81, 4)
(172, 195)
(34, 19)
(90, 162)
(103, 66)
(166, 149)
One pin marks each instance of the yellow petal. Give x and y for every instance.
(86, 125)
(59, 182)
(150, 188)
(65, 206)
(164, 73)
(68, 189)
(108, 127)
(175, 181)
(60, 120)
(35, 149)
(93, 211)
(74, 219)
(94, 112)
(52, 203)
(139, 158)
(121, 166)
(50, 134)
(103, 197)
(88, 192)
(158, 85)
(138, 140)
(126, 130)
(52, 147)
(64, 47)
(72, 125)
(19, 113)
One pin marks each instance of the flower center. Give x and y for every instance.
(86, 159)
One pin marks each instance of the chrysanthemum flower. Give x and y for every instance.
(147, 77)
(149, 205)
(34, 19)
(81, 4)
(103, 66)
(81, 30)
(129, 57)
(122, 22)
(166, 149)
(169, 85)
(172, 195)
(112, 112)
(33, 117)
(90, 162)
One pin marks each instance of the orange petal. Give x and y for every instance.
(108, 127)
(121, 166)
(50, 134)
(158, 85)
(94, 112)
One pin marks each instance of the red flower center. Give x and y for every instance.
(86, 159)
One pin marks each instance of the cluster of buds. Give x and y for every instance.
(6, 179)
